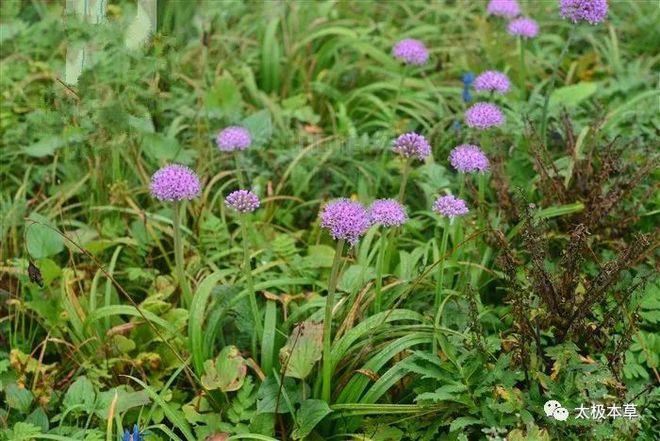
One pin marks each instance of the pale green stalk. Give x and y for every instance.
(404, 179)
(440, 283)
(247, 271)
(178, 256)
(327, 322)
(380, 263)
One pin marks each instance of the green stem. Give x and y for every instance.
(523, 70)
(551, 87)
(239, 174)
(327, 322)
(404, 179)
(382, 246)
(247, 270)
(178, 256)
(440, 283)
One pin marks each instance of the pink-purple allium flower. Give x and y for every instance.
(484, 115)
(467, 158)
(450, 206)
(242, 201)
(523, 27)
(345, 219)
(412, 145)
(411, 51)
(387, 212)
(174, 182)
(492, 80)
(592, 11)
(503, 8)
(233, 138)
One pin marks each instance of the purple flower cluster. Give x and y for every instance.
(345, 219)
(450, 206)
(242, 201)
(174, 182)
(483, 115)
(411, 51)
(233, 138)
(503, 8)
(467, 158)
(523, 27)
(412, 145)
(492, 80)
(387, 212)
(592, 11)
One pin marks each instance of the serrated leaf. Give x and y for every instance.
(302, 350)
(18, 397)
(461, 422)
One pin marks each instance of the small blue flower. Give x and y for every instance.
(135, 436)
(468, 79)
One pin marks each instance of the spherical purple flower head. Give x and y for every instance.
(411, 51)
(503, 8)
(412, 145)
(345, 219)
(468, 158)
(174, 183)
(387, 212)
(483, 115)
(450, 206)
(523, 27)
(243, 201)
(233, 138)
(492, 80)
(593, 11)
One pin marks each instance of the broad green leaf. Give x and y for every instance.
(227, 372)
(80, 393)
(224, 98)
(570, 96)
(462, 422)
(18, 397)
(269, 396)
(319, 256)
(42, 240)
(303, 349)
(311, 413)
(260, 127)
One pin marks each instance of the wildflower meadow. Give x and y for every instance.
(329, 220)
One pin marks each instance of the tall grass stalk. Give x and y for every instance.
(523, 70)
(327, 322)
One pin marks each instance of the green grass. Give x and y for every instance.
(113, 338)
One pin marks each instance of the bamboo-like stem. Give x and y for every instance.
(178, 256)
(247, 271)
(440, 284)
(327, 322)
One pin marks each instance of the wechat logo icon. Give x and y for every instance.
(554, 409)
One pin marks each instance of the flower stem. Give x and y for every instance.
(247, 270)
(380, 263)
(327, 322)
(239, 174)
(178, 256)
(440, 283)
(404, 179)
(551, 86)
(523, 70)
